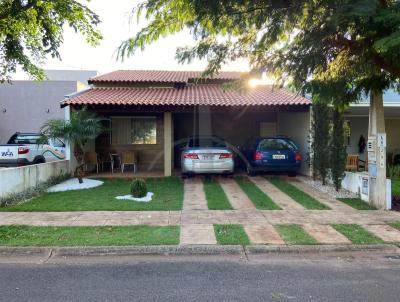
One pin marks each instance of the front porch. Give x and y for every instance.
(157, 134)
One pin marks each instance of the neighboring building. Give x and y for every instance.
(153, 112)
(357, 116)
(26, 105)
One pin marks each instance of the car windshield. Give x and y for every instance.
(207, 142)
(276, 144)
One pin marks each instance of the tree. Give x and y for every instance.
(81, 127)
(32, 29)
(320, 140)
(337, 149)
(351, 44)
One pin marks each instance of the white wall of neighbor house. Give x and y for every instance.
(26, 105)
(297, 125)
(20, 179)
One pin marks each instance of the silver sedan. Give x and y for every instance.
(207, 155)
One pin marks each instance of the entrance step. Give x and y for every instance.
(194, 197)
(237, 198)
(263, 234)
(197, 234)
(326, 234)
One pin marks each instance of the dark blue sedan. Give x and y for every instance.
(272, 154)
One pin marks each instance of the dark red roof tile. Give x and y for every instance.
(158, 76)
(201, 94)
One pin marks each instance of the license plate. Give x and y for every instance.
(208, 157)
(278, 156)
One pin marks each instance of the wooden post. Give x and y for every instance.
(167, 144)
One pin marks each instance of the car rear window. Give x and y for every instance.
(24, 139)
(276, 144)
(206, 142)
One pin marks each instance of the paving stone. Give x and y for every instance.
(197, 234)
(279, 197)
(263, 234)
(237, 198)
(383, 231)
(325, 234)
(194, 197)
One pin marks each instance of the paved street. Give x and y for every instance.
(352, 277)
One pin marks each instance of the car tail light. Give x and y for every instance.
(297, 156)
(225, 155)
(258, 155)
(23, 150)
(191, 155)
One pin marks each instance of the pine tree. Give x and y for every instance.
(320, 140)
(337, 149)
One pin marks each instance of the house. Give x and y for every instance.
(153, 112)
(26, 105)
(357, 116)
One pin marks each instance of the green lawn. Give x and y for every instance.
(231, 234)
(357, 234)
(216, 197)
(357, 203)
(168, 195)
(21, 235)
(396, 187)
(294, 234)
(297, 195)
(258, 197)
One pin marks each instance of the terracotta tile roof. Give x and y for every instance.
(157, 76)
(201, 94)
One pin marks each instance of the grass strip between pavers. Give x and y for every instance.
(357, 203)
(231, 234)
(215, 195)
(395, 225)
(298, 195)
(23, 235)
(295, 234)
(357, 234)
(168, 196)
(261, 200)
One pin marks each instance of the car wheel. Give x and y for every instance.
(250, 171)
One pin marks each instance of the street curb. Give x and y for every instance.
(187, 250)
(287, 249)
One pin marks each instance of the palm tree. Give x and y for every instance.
(81, 127)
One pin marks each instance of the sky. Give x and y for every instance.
(115, 27)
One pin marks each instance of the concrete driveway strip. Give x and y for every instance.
(279, 197)
(194, 197)
(197, 234)
(263, 234)
(237, 198)
(325, 234)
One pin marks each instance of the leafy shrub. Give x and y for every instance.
(394, 172)
(138, 188)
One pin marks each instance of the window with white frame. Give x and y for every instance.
(136, 130)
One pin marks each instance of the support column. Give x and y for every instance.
(377, 151)
(167, 144)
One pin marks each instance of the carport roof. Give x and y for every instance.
(200, 94)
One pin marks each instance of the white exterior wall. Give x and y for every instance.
(16, 180)
(26, 105)
(357, 182)
(297, 125)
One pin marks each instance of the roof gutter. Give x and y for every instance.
(74, 94)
